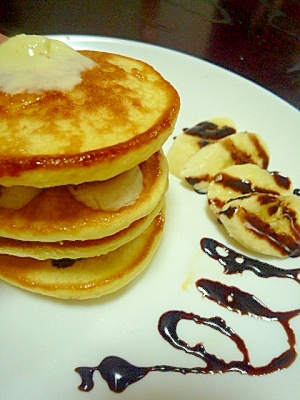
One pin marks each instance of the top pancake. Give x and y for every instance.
(118, 116)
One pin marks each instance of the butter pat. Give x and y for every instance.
(32, 63)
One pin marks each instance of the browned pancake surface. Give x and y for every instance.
(74, 249)
(87, 278)
(120, 114)
(55, 215)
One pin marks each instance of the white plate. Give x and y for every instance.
(43, 340)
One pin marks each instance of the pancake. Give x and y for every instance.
(87, 278)
(117, 117)
(55, 215)
(83, 175)
(74, 249)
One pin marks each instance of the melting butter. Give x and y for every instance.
(32, 63)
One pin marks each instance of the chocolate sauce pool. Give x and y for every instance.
(119, 373)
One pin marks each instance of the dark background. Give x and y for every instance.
(259, 39)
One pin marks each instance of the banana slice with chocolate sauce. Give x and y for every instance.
(239, 148)
(193, 139)
(238, 180)
(264, 223)
(257, 207)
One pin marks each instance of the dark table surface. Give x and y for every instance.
(258, 39)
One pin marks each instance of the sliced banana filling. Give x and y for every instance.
(110, 195)
(17, 197)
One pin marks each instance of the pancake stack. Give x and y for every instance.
(82, 173)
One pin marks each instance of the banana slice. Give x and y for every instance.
(110, 195)
(237, 180)
(16, 197)
(265, 223)
(239, 148)
(192, 139)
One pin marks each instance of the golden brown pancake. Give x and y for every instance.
(82, 173)
(55, 215)
(74, 249)
(117, 117)
(87, 278)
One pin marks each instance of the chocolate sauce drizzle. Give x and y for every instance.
(296, 192)
(234, 262)
(209, 130)
(244, 186)
(119, 373)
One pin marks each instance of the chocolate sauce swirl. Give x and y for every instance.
(234, 262)
(119, 373)
(233, 299)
